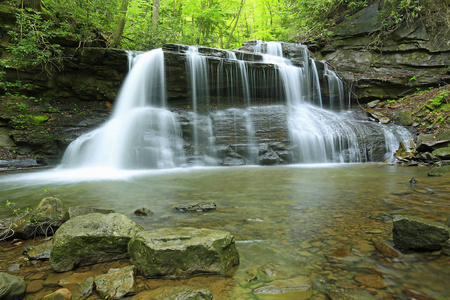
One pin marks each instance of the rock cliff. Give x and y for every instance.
(389, 65)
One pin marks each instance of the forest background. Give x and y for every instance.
(146, 24)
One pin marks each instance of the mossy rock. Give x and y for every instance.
(404, 118)
(181, 252)
(414, 233)
(444, 135)
(439, 171)
(91, 239)
(442, 153)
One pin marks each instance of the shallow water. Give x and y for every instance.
(311, 220)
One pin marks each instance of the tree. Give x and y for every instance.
(117, 34)
(235, 24)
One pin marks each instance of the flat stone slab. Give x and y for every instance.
(180, 252)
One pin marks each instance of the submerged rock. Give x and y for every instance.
(414, 233)
(176, 293)
(295, 288)
(39, 252)
(386, 249)
(199, 207)
(11, 287)
(181, 252)
(117, 283)
(91, 239)
(349, 294)
(61, 294)
(143, 211)
(370, 280)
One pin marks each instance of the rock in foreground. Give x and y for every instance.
(182, 252)
(11, 287)
(91, 239)
(414, 233)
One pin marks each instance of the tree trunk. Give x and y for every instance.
(235, 24)
(155, 14)
(117, 34)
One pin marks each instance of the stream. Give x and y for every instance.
(314, 220)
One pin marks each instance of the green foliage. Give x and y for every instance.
(16, 106)
(395, 12)
(440, 98)
(7, 229)
(38, 223)
(31, 42)
(25, 121)
(84, 19)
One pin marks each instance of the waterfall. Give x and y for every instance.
(268, 108)
(141, 133)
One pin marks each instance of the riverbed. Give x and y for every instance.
(316, 221)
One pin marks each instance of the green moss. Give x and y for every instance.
(439, 171)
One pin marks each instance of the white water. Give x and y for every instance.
(141, 133)
(319, 135)
(144, 134)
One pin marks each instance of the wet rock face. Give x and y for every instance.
(181, 252)
(409, 57)
(414, 233)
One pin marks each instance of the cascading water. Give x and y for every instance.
(141, 133)
(272, 113)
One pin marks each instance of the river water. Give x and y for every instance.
(311, 220)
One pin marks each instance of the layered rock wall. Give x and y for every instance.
(389, 65)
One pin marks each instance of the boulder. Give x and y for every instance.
(143, 211)
(91, 239)
(415, 233)
(404, 118)
(11, 287)
(442, 153)
(75, 211)
(269, 158)
(117, 283)
(180, 252)
(439, 171)
(50, 208)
